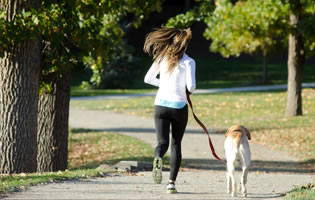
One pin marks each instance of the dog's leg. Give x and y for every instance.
(244, 180)
(231, 170)
(246, 158)
(228, 183)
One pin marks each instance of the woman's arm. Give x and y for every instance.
(190, 76)
(151, 76)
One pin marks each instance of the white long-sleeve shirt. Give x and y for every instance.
(172, 86)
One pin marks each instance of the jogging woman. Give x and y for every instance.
(176, 75)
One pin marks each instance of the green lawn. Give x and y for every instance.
(76, 91)
(89, 149)
(18, 182)
(305, 192)
(262, 112)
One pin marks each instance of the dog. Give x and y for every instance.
(236, 147)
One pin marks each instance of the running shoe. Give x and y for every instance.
(157, 170)
(171, 188)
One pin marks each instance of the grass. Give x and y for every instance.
(262, 112)
(87, 150)
(305, 192)
(77, 91)
(17, 182)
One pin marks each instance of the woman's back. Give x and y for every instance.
(173, 85)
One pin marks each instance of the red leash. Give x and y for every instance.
(204, 128)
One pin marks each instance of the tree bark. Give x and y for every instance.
(19, 86)
(295, 64)
(53, 126)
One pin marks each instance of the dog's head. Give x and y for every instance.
(238, 128)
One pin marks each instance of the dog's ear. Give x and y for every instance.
(227, 132)
(247, 133)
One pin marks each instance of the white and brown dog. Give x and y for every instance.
(236, 147)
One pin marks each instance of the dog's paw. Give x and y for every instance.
(244, 194)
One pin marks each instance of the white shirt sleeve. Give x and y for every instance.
(151, 76)
(190, 76)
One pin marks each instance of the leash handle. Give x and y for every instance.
(204, 128)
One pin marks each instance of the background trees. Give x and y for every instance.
(236, 27)
(247, 27)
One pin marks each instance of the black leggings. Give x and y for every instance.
(165, 117)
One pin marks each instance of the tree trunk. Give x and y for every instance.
(295, 65)
(53, 126)
(19, 86)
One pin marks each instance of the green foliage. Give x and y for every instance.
(112, 56)
(246, 26)
(73, 31)
(307, 26)
(198, 13)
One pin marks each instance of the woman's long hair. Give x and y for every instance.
(167, 43)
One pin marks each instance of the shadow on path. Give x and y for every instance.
(256, 165)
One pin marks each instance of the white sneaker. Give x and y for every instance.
(171, 188)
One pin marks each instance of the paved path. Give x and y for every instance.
(191, 185)
(195, 145)
(200, 91)
(272, 173)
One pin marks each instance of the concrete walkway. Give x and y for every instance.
(272, 173)
(200, 91)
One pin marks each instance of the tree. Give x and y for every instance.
(246, 26)
(19, 81)
(301, 44)
(93, 35)
(296, 58)
(53, 107)
(71, 31)
(242, 27)
(52, 134)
